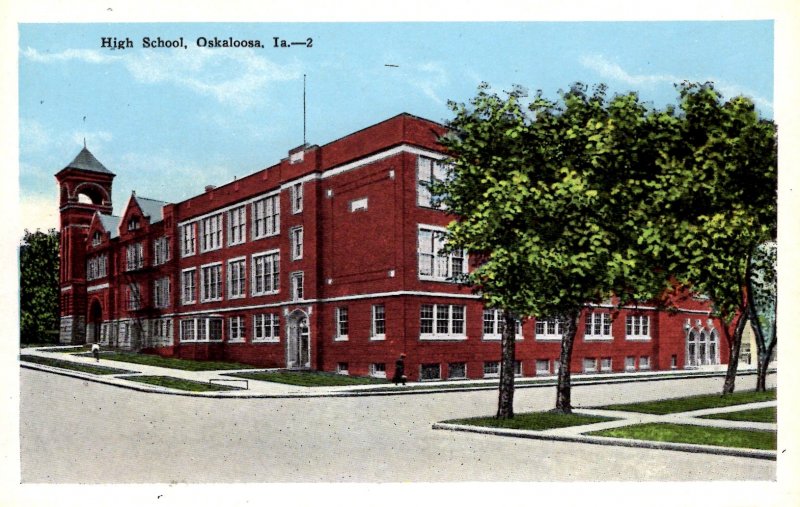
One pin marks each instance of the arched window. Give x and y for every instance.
(712, 347)
(703, 348)
(692, 352)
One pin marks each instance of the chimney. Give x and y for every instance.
(209, 188)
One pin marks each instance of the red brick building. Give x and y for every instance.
(327, 260)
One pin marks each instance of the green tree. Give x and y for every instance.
(38, 263)
(546, 201)
(762, 292)
(717, 201)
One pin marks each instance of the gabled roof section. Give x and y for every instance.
(85, 161)
(151, 208)
(110, 223)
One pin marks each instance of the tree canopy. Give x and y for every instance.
(39, 268)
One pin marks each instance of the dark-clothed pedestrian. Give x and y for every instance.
(400, 370)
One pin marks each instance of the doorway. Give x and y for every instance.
(298, 350)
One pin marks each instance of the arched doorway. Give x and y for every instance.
(95, 322)
(298, 341)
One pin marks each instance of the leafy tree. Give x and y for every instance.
(762, 292)
(546, 201)
(716, 195)
(38, 261)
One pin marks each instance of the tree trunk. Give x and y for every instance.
(764, 357)
(735, 344)
(505, 402)
(564, 388)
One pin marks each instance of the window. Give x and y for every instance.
(644, 362)
(161, 292)
(637, 327)
(378, 331)
(97, 267)
(377, 370)
(266, 327)
(457, 370)
(162, 332)
(518, 368)
(236, 226)
(96, 238)
(543, 367)
(491, 368)
(341, 323)
(266, 217)
(135, 256)
(597, 326)
(296, 238)
(211, 233)
(187, 240)
(297, 198)
(296, 280)
(429, 372)
(428, 171)
(134, 296)
(237, 329)
(211, 282)
(359, 204)
(589, 365)
(188, 286)
(673, 363)
(441, 322)
(265, 273)
(201, 329)
(433, 264)
(133, 224)
(160, 250)
(605, 364)
(493, 323)
(549, 329)
(236, 277)
(342, 369)
(630, 363)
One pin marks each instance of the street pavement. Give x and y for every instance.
(74, 430)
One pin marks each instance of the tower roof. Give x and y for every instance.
(85, 161)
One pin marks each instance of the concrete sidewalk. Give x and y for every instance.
(262, 389)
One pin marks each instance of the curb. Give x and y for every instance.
(646, 444)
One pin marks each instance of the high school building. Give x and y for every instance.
(328, 260)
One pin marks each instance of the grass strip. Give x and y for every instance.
(172, 362)
(68, 365)
(306, 378)
(533, 421)
(181, 384)
(765, 415)
(687, 404)
(691, 434)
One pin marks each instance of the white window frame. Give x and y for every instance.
(205, 335)
(192, 288)
(552, 329)
(237, 276)
(296, 242)
(237, 329)
(596, 323)
(430, 264)
(343, 368)
(266, 216)
(211, 233)
(428, 170)
(495, 321)
(134, 303)
(160, 250)
(606, 368)
(374, 334)
(630, 363)
(491, 366)
(436, 320)
(361, 204)
(423, 365)
(161, 287)
(546, 370)
(210, 285)
(377, 370)
(637, 327)
(265, 265)
(644, 362)
(589, 365)
(237, 225)
(297, 198)
(134, 256)
(341, 324)
(266, 328)
(450, 368)
(188, 240)
(297, 291)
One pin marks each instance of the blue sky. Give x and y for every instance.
(170, 121)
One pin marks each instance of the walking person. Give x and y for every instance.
(400, 370)
(96, 351)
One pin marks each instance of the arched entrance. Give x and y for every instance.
(702, 344)
(298, 341)
(95, 321)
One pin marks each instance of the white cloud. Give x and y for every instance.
(613, 71)
(85, 55)
(38, 211)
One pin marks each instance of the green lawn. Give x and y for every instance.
(306, 378)
(675, 405)
(766, 414)
(533, 421)
(69, 365)
(182, 384)
(690, 434)
(172, 362)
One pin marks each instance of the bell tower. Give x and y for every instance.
(84, 189)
